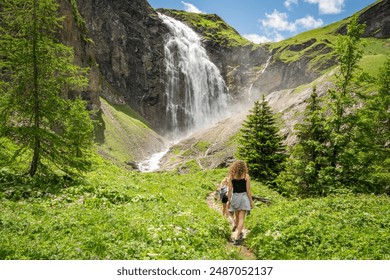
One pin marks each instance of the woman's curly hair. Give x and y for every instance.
(238, 169)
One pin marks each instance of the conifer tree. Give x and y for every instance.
(260, 144)
(309, 156)
(342, 105)
(37, 72)
(374, 136)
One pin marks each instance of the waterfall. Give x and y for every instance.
(261, 72)
(196, 95)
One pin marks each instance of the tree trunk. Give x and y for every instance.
(36, 116)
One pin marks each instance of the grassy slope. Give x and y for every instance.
(126, 136)
(115, 214)
(212, 28)
(376, 50)
(337, 227)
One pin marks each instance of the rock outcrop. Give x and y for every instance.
(122, 42)
(377, 20)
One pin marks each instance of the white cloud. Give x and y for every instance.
(289, 3)
(277, 37)
(191, 8)
(269, 37)
(328, 6)
(278, 21)
(309, 22)
(257, 39)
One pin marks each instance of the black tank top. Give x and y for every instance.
(239, 185)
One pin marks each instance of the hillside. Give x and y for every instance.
(123, 136)
(114, 214)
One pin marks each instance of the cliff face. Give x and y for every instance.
(76, 36)
(129, 50)
(122, 42)
(377, 20)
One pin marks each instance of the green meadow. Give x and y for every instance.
(116, 214)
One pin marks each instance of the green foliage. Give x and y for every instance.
(373, 137)
(342, 105)
(81, 24)
(37, 73)
(345, 147)
(202, 146)
(343, 227)
(304, 174)
(260, 145)
(114, 214)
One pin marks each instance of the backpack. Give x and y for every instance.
(223, 192)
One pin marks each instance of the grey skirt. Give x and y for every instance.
(240, 201)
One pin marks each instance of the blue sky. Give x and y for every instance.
(270, 20)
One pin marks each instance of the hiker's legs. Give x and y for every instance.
(236, 212)
(225, 211)
(240, 222)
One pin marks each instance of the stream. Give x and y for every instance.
(152, 163)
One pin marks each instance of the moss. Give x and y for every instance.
(213, 29)
(190, 167)
(202, 146)
(81, 24)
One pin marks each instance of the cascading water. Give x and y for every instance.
(196, 95)
(257, 77)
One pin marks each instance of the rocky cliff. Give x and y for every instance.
(122, 42)
(377, 20)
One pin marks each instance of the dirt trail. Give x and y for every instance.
(245, 253)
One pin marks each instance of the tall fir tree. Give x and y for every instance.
(343, 103)
(37, 72)
(259, 143)
(309, 156)
(374, 136)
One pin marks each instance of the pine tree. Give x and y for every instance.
(37, 72)
(260, 144)
(309, 156)
(343, 104)
(374, 136)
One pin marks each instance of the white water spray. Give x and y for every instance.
(152, 163)
(196, 95)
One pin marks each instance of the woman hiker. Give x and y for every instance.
(239, 196)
